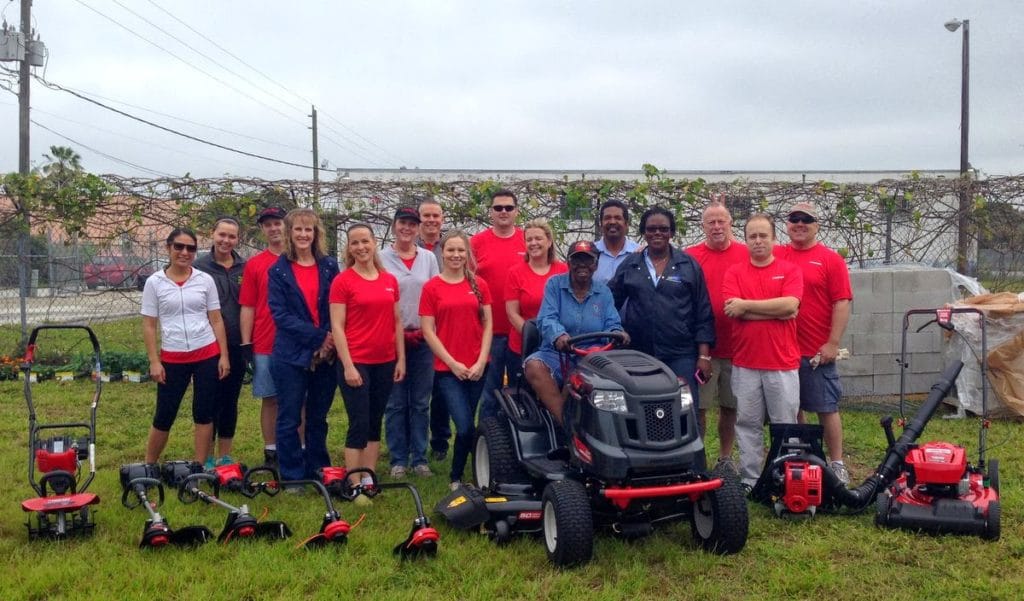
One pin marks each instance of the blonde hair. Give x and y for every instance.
(319, 246)
(351, 260)
(467, 269)
(541, 224)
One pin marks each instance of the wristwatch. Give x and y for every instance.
(705, 357)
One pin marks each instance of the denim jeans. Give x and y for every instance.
(501, 361)
(462, 397)
(298, 387)
(407, 413)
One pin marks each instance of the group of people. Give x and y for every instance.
(411, 335)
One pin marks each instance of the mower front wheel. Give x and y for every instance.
(992, 526)
(494, 455)
(568, 523)
(719, 521)
(883, 505)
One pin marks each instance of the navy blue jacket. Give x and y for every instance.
(297, 338)
(668, 320)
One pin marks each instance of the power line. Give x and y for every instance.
(189, 64)
(204, 55)
(189, 121)
(171, 130)
(150, 143)
(286, 89)
(101, 153)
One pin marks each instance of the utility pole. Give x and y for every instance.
(24, 166)
(316, 163)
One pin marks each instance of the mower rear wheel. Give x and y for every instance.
(494, 455)
(992, 522)
(568, 524)
(993, 474)
(883, 505)
(719, 521)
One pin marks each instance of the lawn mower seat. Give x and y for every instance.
(531, 338)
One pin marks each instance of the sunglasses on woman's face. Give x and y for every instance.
(180, 246)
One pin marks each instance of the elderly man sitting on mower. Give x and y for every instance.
(573, 304)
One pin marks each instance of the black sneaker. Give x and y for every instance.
(438, 455)
(270, 458)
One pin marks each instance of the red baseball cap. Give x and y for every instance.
(271, 213)
(583, 246)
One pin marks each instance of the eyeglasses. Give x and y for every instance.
(180, 246)
(804, 219)
(657, 229)
(506, 208)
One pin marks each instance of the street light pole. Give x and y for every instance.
(963, 242)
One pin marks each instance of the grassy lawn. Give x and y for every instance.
(827, 557)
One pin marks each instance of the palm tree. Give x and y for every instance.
(63, 161)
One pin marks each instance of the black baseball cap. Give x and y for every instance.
(407, 213)
(271, 213)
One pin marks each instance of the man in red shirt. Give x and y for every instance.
(497, 250)
(762, 297)
(824, 313)
(258, 325)
(719, 251)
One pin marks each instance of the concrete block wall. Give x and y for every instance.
(880, 298)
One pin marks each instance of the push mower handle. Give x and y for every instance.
(30, 349)
(617, 338)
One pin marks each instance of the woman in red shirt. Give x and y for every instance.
(455, 316)
(524, 289)
(368, 334)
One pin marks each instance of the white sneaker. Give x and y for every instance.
(839, 469)
(454, 485)
(398, 472)
(422, 470)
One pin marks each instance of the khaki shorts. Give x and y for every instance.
(717, 392)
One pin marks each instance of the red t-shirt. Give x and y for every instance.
(525, 286)
(494, 258)
(714, 264)
(369, 315)
(454, 308)
(826, 281)
(308, 279)
(254, 293)
(764, 344)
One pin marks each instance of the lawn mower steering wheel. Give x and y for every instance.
(617, 338)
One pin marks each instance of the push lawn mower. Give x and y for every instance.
(240, 523)
(62, 507)
(633, 458)
(927, 487)
(138, 480)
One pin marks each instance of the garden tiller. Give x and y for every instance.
(62, 504)
(139, 482)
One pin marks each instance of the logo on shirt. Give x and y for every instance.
(389, 289)
(778, 277)
(818, 263)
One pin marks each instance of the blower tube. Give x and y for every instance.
(892, 465)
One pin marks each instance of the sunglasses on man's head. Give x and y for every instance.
(506, 208)
(804, 219)
(180, 246)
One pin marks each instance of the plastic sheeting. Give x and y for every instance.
(1004, 325)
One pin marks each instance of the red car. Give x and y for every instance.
(116, 271)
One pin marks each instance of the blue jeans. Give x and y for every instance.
(462, 397)
(500, 361)
(298, 387)
(407, 414)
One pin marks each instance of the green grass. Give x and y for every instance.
(827, 557)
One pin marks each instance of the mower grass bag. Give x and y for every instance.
(464, 508)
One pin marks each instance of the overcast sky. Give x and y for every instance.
(811, 85)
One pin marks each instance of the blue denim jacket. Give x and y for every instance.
(297, 338)
(560, 312)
